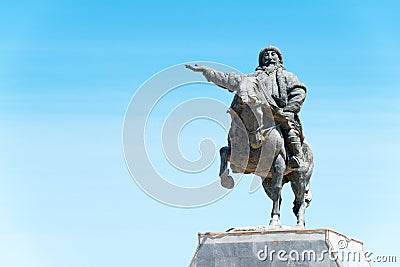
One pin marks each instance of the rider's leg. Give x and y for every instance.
(293, 144)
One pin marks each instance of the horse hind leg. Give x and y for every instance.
(302, 199)
(226, 180)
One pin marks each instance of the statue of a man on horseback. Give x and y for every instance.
(266, 104)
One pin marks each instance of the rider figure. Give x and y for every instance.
(289, 94)
(284, 87)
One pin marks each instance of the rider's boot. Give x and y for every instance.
(295, 160)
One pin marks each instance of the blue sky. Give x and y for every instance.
(68, 70)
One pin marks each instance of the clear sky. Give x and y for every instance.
(68, 70)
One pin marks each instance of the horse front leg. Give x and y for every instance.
(278, 169)
(226, 180)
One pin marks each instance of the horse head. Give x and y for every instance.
(256, 118)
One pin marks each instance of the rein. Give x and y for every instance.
(260, 129)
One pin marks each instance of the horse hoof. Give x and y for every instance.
(275, 221)
(301, 224)
(227, 182)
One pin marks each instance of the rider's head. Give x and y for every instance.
(270, 55)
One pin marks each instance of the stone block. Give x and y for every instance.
(279, 248)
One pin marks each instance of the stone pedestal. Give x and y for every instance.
(283, 247)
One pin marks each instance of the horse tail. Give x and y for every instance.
(308, 159)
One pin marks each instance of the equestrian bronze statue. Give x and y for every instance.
(266, 135)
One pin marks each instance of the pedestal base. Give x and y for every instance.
(280, 247)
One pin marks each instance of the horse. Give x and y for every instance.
(256, 146)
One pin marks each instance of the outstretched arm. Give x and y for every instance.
(225, 80)
(196, 67)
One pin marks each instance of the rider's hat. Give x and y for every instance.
(269, 48)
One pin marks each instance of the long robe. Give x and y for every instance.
(279, 88)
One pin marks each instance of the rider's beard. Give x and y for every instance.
(271, 67)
